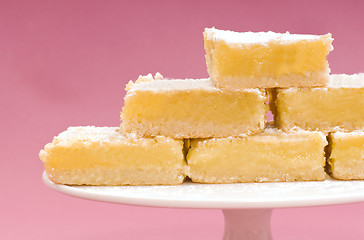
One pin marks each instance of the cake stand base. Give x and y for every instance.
(247, 207)
(247, 224)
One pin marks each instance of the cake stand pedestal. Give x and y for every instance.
(249, 224)
(247, 207)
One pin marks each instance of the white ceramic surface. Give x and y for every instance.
(224, 196)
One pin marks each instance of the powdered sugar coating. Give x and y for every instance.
(343, 135)
(336, 81)
(92, 134)
(257, 37)
(273, 132)
(346, 81)
(181, 85)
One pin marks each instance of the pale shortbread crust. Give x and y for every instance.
(314, 79)
(184, 129)
(104, 176)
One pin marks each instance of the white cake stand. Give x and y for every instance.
(247, 207)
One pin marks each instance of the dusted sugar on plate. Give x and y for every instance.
(191, 108)
(238, 60)
(270, 156)
(346, 155)
(107, 156)
(339, 106)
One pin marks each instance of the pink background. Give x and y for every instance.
(65, 63)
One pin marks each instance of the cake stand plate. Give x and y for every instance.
(247, 207)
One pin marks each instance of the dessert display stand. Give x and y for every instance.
(247, 207)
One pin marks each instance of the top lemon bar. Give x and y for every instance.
(237, 60)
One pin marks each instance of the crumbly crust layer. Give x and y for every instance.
(352, 173)
(182, 129)
(316, 175)
(316, 79)
(104, 176)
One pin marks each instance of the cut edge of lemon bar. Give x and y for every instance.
(237, 60)
(191, 108)
(106, 156)
(337, 107)
(346, 155)
(270, 156)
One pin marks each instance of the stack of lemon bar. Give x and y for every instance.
(214, 130)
